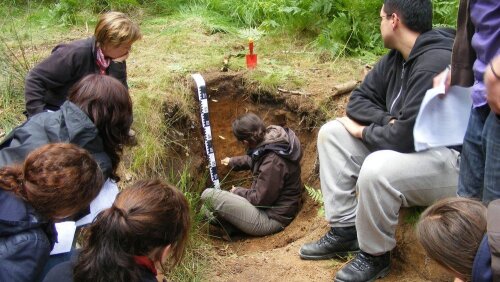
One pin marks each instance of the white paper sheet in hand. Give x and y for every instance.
(442, 121)
(65, 235)
(66, 230)
(103, 201)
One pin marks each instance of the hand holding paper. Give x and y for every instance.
(442, 121)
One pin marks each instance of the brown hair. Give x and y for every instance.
(107, 103)
(451, 231)
(116, 28)
(57, 180)
(249, 127)
(144, 217)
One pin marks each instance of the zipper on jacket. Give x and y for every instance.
(400, 89)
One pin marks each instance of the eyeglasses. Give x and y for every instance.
(386, 16)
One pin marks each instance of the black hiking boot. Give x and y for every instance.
(337, 242)
(365, 267)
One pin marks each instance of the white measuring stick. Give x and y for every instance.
(207, 131)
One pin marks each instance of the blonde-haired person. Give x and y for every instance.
(48, 83)
(55, 181)
(463, 236)
(146, 227)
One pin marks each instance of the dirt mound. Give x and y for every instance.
(275, 257)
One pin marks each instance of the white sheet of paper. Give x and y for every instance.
(66, 230)
(442, 121)
(65, 235)
(103, 201)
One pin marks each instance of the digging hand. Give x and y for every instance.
(225, 161)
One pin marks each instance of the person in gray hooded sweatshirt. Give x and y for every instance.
(274, 198)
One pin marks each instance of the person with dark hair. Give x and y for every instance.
(96, 117)
(274, 198)
(463, 236)
(48, 83)
(55, 181)
(368, 165)
(473, 65)
(148, 224)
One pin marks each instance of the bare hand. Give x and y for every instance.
(492, 84)
(354, 128)
(443, 76)
(225, 161)
(122, 58)
(232, 189)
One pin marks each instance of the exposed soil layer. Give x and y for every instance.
(275, 257)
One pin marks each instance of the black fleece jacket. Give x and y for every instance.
(48, 83)
(394, 89)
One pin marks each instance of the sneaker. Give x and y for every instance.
(365, 267)
(338, 242)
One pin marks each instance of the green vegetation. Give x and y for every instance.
(317, 197)
(186, 36)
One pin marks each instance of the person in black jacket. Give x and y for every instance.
(55, 181)
(148, 224)
(368, 166)
(274, 199)
(96, 117)
(48, 83)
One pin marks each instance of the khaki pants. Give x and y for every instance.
(239, 212)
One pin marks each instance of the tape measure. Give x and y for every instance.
(207, 131)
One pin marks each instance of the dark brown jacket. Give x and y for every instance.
(463, 56)
(276, 187)
(48, 83)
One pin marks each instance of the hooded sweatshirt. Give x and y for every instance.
(394, 89)
(69, 124)
(25, 239)
(275, 165)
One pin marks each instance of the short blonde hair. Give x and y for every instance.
(116, 28)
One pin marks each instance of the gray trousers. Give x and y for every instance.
(367, 189)
(239, 212)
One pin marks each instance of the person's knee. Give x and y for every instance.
(207, 193)
(329, 129)
(374, 170)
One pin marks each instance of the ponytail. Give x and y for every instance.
(146, 217)
(104, 258)
(11, 180)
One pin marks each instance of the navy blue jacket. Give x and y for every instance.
(64, 272)
(24, 239)
(481, 269)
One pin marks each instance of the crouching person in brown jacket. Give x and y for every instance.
(274, 198)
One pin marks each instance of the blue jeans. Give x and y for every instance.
(480, 159)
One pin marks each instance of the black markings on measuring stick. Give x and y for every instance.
(207, 131)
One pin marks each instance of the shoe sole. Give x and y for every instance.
(383, 273)
(327, 256)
